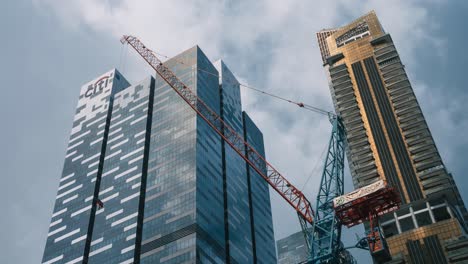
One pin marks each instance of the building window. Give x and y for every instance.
(390, 229)
(423, 219)
(419, 207)
(403, 212)
(406, 223)
(441, 213)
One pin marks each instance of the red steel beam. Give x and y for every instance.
(256, 161)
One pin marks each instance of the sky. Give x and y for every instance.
(52, 47)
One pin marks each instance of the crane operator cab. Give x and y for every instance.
(378, 246)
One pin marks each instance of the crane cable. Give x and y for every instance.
(120, 57)
(300, 104)
(123, 57)
(316, 168)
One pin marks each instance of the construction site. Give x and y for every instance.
(404, 196)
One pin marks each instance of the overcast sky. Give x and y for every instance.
(51, 47)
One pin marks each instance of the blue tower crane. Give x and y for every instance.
(323, 237)
(335, 209)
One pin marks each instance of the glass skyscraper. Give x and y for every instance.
(388, 138)
(171, 190)
(292, 249)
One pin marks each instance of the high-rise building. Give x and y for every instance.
(74, 210)
(388, 138)
(146, 180)
(292, 249)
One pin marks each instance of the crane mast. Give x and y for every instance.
(323, 238)
(275, 179)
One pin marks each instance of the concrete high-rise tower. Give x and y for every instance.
(388, 138)
(170, 190)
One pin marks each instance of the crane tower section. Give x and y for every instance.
(323, 238)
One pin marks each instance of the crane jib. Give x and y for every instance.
(256, 161)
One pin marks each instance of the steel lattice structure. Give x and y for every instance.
(324, 236)
(276, 180)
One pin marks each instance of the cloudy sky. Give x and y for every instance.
(51, 47)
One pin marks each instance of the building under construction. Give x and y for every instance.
(388, 139)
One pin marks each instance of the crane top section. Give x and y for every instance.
(256, 161)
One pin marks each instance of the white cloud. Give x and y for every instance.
(445, 117)
(276, 38)
(171, 26)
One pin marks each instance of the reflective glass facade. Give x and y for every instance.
(184, 195)
(172, 191)
(115, 226)
(260, 206)
(70, 229)
(239, 230)
(292, 249)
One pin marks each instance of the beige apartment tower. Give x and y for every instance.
(388, 138)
